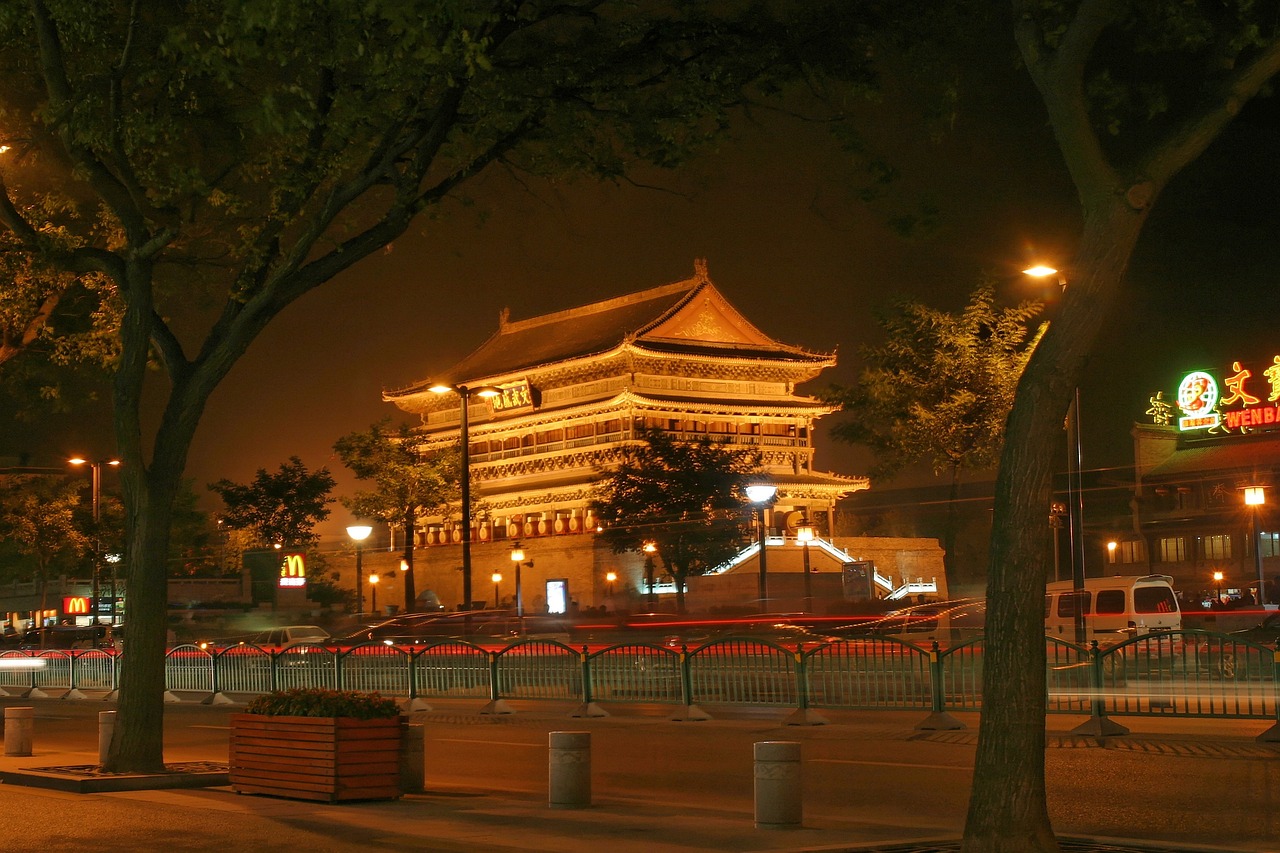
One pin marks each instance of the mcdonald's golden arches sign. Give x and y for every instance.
(293, 570)
(75, 605)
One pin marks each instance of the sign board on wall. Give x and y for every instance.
(514, 397)
(75, 605)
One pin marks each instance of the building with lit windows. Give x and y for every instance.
(570, 389)
(1202, 462)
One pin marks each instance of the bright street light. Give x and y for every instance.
(464, 396)
(1254, 498)
(96, 492)
(761, 494)
(359, 533)
(804, 535)
(1075, 482)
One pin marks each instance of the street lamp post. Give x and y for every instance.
(373, 592)
(761, 494)
(95, 469)
(1075, 483)
(496, 577)
(1217, 581)
(650, 548)
(464, 400)
(610, 578)
(517, 557)
(804, 535)
(1255, 497)
(359, 533)
(1057, 511)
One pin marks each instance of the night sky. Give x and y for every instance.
(776, 212)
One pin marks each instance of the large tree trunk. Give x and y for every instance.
(1007, 808)
(137, 744)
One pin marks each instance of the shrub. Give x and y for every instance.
(317, 702)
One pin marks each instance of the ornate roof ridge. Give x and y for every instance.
(506, 325)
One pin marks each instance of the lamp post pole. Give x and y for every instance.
(1255, 497)
(649, 549)
(359, 533)
(1076, 530)
(95, 490)
(96, 479)
(1056, 511)
(804, 533)
(373, 593)
(464, 398)
(1075, 503)
(760, 495)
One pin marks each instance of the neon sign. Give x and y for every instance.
(1198, 400)
(1204, 406)
(293, 571)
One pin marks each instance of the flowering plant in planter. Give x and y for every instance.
(318, 702)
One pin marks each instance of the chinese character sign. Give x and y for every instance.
(516, 396)
(1204, 407)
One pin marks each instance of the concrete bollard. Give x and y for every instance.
(569, 770)
(19, 728)
(106, 730)
(779, 799)
(413, 762)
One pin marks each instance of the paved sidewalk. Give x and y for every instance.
(460, 818)
(447, 820)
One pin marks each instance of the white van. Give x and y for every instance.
(1114, 608)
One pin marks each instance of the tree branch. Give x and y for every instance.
(53, 69)
(1190, 140)
(1059, 77)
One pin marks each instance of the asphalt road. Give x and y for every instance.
(1175, 781)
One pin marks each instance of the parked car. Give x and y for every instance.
(290, 635)
(1266, 632)
(68, 637)
(395, 626)
(481, 625)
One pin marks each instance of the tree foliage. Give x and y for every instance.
(38, 521)
(281, 508)
(939, 388)
(406, 484)
(215, 161)
(686, 497)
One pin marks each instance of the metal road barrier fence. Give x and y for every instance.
(1189, 673)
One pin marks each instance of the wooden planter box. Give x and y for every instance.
(316, 758)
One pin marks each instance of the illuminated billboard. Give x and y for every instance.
(293, 571)
(1238, 402)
